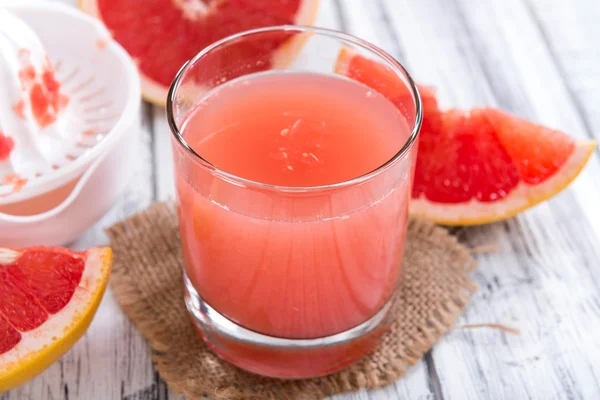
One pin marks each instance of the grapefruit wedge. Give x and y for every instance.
(48, 297)
(161, 35)
(480, 165)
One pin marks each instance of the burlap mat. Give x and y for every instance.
(147, 284)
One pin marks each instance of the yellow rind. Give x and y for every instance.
(34, 363)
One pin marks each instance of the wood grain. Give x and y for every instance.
(536, 58)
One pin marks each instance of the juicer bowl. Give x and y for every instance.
(103, 84)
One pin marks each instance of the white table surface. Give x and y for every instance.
(537, 58)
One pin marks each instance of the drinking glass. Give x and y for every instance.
(289, 281)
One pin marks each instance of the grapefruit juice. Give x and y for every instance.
(282, 233)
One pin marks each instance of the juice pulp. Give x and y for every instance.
(294, 265)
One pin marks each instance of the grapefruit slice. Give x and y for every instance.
(476, 166)
(48, 297)
(161, 35)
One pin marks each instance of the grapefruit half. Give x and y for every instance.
(480, 165)
(161, 35)
(48, 297)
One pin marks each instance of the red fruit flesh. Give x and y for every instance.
(9, 336)
(6, 145)
(37, 284)
(44, 94)
(484, 154)
(538, 152)
(463, 160)
(383, 79)
(163, 34)
(40, 105)
(460, 157)
(21, 309)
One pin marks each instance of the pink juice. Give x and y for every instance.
(285, 262)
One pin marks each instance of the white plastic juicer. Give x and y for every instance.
(69, 118)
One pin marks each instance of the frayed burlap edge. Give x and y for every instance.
(147, 284)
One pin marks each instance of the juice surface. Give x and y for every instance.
(294, 265)
(296, 129)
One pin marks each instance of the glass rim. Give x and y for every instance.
(399, 69)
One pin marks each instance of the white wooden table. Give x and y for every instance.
(537, 58)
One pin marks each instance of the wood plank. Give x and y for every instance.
(163, 156)
(570, 31)
(543, 279)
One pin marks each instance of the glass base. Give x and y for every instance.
(279, 357)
